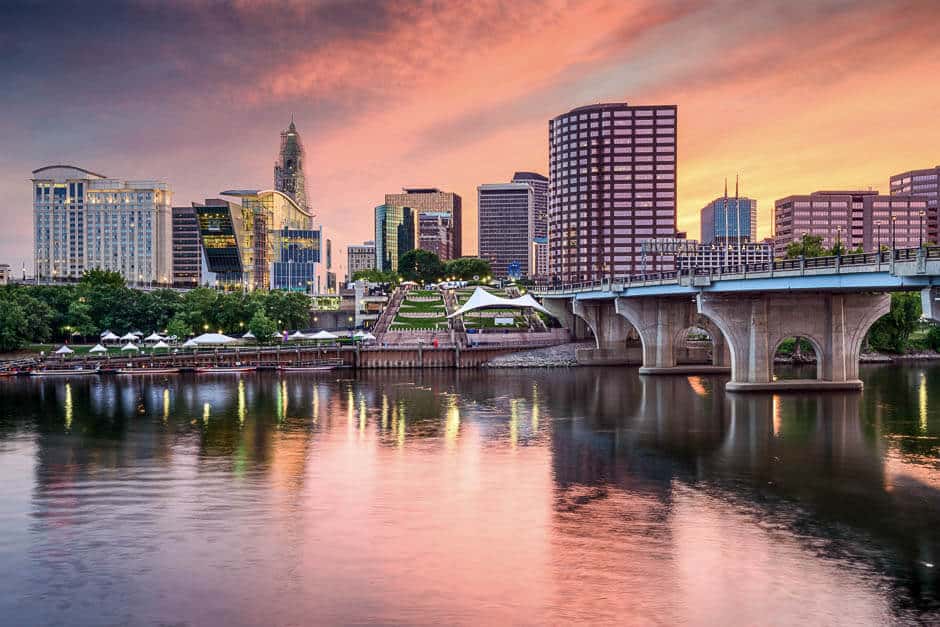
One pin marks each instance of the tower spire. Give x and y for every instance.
(736, 186)
(726, 187)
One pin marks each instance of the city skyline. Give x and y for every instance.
(780, 104)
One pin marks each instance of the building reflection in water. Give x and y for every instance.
(608, 494)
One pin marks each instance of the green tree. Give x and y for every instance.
(179, 326)
(375, 276)
(199, 309)
(78, 319)
(14, 328)
(97, 278)
(262, 327)
(288, 310)
(466, 268)
(892, 332)
(420, 265)
(807, 246)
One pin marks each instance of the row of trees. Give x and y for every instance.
(102, 300)
(424, 266)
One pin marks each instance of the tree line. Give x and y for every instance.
(424, 266)
(101, 301)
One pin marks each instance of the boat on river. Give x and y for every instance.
(224, 369)
(147, 371)
(63, 372)
(310, 368)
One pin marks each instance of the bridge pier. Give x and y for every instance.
(662, 323)
(611, 333)
(561, 310)
(835, 323)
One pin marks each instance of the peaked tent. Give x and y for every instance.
(213, 339)
(153, 337)
(109, 337)
(64, 350)
(323, 335)
(128, 337)
(297, 335)
(129, 347)
(190, 344)
(98, 348)
(481, 299)
(249, 336)
(161, 344)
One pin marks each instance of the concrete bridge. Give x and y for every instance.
(748, 311)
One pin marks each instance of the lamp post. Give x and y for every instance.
(921, 240)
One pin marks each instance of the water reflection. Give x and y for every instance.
(466, 497)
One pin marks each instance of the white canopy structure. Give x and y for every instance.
(481, 299)
(297, 335)
(98, 348)
(161, 344)
(365, 336)
(323, 335)
(249, 336)
(129, 347)
(213, 339)
(109, 337)
(104, 333)
(154, 337)
(128, 337)
(190, 344)
(64, 350)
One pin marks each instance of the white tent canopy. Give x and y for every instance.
(128, 337)
(366, 336)
(213, 339)
(153, 337)
(190, 344)
(249, 336)
(323, 335)
(129, 347)
(297, 335)
(161, 344)
(109, 337)
(481, 299)
(64, 350)
(98, 348)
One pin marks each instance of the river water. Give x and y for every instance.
(485, 497)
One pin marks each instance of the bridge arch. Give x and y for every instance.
(815, 345)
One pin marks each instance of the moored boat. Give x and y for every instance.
(224, 369)
(63, 372)
(319, 368)
(148, 370)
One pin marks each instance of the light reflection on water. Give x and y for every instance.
(522, 497)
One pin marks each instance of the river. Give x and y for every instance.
(468, 497)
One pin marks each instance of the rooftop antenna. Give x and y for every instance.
(726, 187)
(736, 186)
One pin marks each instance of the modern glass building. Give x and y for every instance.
(295, 265)
(244, 243)
(187, 252)
(612, 185)
(729, 221)
(83, 221)
(395, 228)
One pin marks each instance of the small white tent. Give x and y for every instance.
(154, 337)
(129, 347)
(98, 348)
(297, 335)
(249, 336)
(64, 350)
(323, 335)
(161, 344)
(128, 337)
(190, 344)
(109, 337)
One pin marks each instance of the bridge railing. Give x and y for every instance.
(801, 264)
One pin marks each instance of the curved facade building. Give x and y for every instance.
(612, 174)
(265, 242)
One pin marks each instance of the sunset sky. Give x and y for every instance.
(794, 96)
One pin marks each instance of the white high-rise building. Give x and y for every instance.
(84, 221)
